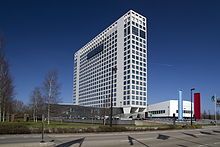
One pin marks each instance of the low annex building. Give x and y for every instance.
(169, 108)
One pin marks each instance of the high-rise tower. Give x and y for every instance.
(122, 45)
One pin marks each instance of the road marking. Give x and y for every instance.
(217, 143)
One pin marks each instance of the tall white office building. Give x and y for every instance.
(123, 45)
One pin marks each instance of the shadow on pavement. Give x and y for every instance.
(163, 137)
(182, 145)
(207, 133)
(130, 139)
(216, 131)
(67, 144)
(192, 135)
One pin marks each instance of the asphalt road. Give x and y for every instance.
(207, 137)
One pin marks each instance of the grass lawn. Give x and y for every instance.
(53, 124)
(68, 127)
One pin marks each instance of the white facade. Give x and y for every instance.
(121, 45)
(168, 108)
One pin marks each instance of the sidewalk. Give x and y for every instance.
(46, 144)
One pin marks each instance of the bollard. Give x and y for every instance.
(42, 131)
(174, 119)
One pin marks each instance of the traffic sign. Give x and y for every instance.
(213, 98)
(217, 100)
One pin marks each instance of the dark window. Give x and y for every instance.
(95, 51)
(125, 32)
(142, 34)
(134, 30)
(128, 30)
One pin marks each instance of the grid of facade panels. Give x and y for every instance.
(93, 65)
(95, 61)
(95, 73)
(74, 78)
(135, 60)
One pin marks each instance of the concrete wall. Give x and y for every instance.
(120, 62)
(75, 111)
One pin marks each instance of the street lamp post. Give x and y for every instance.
(113, 69)
(191, 104)
(215, 109)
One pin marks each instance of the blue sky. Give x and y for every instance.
(183, 42)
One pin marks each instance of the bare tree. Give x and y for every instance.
(209, 115)
(19, 108)
(51, 90)
(37, 103)
(1, 68)
(6, 88)
(2, 41)
(204, 115)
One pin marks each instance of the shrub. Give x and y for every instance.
(111, 129)
(25, 128)
(14, 128)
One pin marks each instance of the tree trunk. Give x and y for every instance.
(1, 104)
(48, 114)
(3, 114)
(34, 114)
(7, 117)
(48, 111)
(33, 117)
(0, 112)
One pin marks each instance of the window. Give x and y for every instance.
(128, 30)
(133, 76)
(133, 87)
(95, 51)
(125, 32)
(134, 30)
(142, 34)
(157, 111)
